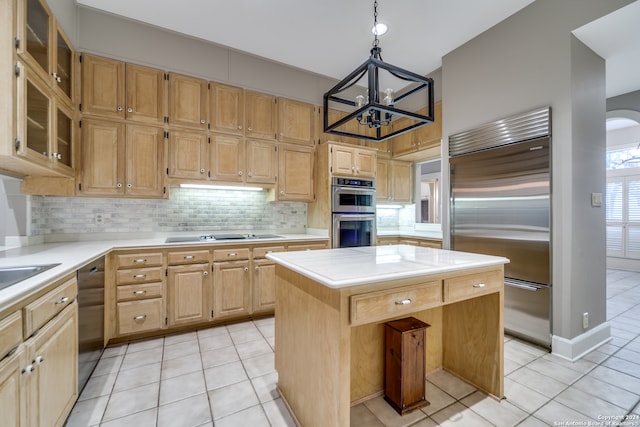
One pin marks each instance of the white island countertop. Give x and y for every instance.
(345, 267)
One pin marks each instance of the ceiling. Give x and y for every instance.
(333, 37)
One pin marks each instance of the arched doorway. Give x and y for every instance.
(623, 190)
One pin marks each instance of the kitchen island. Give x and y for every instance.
(331, 306)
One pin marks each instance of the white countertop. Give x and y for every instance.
(73, 255)
(341, 268)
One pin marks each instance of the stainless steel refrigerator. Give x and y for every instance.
(500, 205)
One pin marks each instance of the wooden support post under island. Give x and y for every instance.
(331, 306)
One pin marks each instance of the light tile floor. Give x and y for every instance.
(225, 376)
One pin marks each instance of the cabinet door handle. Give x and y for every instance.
(137, 261)
(129, 110)
(249, 174)
(119, 185)
(240, 127)
(202, 170)
(246, 269)
(129, 185)
(141, 317)
(257, 268)
(479, 285)
(139, 292)
(404, 302)
(282, 192)
(139, 276)
(189, 257)
(38, 360)
(202, 121)
(56, 77)
(28, 369)
(119, 108)
(205, 273)
(239, 173)
(61, 300)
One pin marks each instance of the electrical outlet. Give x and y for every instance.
(585, 320)
(98, 218)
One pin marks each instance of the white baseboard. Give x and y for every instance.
(626, 264)
(584, 343)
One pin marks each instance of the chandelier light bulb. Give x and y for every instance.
(379, 29)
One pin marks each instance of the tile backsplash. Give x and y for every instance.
(187, 209)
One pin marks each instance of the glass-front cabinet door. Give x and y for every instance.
(35, 34)
(63, 154)
(63, 74)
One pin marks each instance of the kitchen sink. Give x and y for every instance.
(218, 237)
(12, 275)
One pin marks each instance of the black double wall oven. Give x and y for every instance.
(353, 206)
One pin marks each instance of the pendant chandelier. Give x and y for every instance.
(370, 112)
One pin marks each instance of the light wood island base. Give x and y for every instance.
(330, 341)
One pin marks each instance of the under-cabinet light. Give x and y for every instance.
(389, 206)
(220, 187)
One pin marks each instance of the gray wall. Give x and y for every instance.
(530, 60)
(14, 209)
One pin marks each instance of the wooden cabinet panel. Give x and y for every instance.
(365, 162)
(188, 101)
(296, 122)
(144, 161)
(10, 332)
(262, 252)
(145, 94)
(139, 291)
(143, 259)
(342, 160)
(264, 286)
(140, 316)
(230, 254)
(188, 155)
(188, 257)
(472, 285)
(260, 115)
(227, 158)
(262, 160)
(53, 384)
(12, 394)
(102, 168)
(188, 294)
(139, 275)
(45, 308)
(401, 181)
(226, 109)
(103, 86)
(382, 180)
(231, 285)
(296, 173)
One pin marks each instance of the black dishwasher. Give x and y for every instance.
(90, 319)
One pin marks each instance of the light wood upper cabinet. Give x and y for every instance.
(63, 74)
(120, 159)
(296, 122)
(188, 155)
(262, 160)
(421, 143)
(145, 88)
(103, 87)
(295, 173)
(188, 101)
(226, 109)
(260, 115)
(113, 89)
(227, 158)
(394, 182)
(189, 293)
(401, 183)
(352, 161)
(232, 291)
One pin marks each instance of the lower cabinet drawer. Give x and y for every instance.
(262, 252)
(139, 275)
(10, 333)
(139, 316)
(472, 285)
(138, 292)
(187, 257)
(230, 254)
(40, 311)
(374, 306)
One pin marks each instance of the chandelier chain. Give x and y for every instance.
(375, 23)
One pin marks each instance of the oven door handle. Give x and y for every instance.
(352, 190)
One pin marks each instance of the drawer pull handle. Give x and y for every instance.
(232, 254)
(189, 257)
(139, 292)
(38, 360)
(479, 285)
(141, 317)
(61, 300)
(205, 273)
(137, 261)
(404, 302)
(28, 369)
(139, 276)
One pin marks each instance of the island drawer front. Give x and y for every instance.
(262, 252)
(45, 308)
(139, 291)
(139, 316)
(472, 285)
(139, 260)
(230, 254)
(380, 305)
(10, 333)
(188, 257)
(139, 275)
